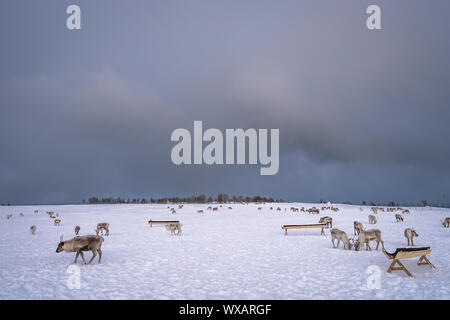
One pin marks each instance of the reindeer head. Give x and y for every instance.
(355, 244)
(415, 234)
(60, 245)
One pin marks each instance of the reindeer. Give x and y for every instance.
(446, 222)
(56, 222)
(8, 216)
(36, 211)
(410, 234)
(358, 227)
(327, 220)
(174, 227)
(21, 214)
(405, 211)
(80, 244)
(230, 208)
(199, 211)
(102, 226)
(372, 219)
(33, 229)
(77, 230)
(398, 217)
(339, 235)
(366, 237)
(215, 208)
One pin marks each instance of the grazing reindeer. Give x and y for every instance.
(446, 222)
(398, 217)
(327, 220)
(358, 227)
(36, 211)
(8, 216)
(56, 222)
(77, 230)
(102, 226)
(33, 229)
(366, 237)
(215, 208)
(410, 234)
(231, 208)
(174, 227)
(21, 214)
(339, 235)
(259, 208)
(199, 211)
(80, 244)
(405, 211)
(372, 219)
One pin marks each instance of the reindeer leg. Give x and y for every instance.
(93, 256)
(412, 242)
(82, 256)
(99, 255)
(76, 257)
(378, 243)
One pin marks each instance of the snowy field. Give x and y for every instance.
(226, 254)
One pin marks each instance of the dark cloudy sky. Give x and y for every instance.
(363, 115)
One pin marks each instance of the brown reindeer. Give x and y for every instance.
(174, 227)
(56, 222)
(358, 227)
(339, 235)
(327, 220)
(410, 234)
(33, 229)
(398, 217)
(366, 237)
(80, 244)
(372, 219)
(103, 226)
(77, 230)
(446, 222)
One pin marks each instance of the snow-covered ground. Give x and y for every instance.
(226, 254)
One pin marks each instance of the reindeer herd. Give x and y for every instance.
(365, 236)
(78, 244)
(93, 243)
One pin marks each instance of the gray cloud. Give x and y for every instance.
(362, 115)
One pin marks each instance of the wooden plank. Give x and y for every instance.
(295, 226)
(151, 222)
(411, 254)
(303, 226)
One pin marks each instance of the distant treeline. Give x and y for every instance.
(220, 198)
